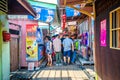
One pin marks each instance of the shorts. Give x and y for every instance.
(49, 52)
(67, 53)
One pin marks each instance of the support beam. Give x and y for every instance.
(82, 11)
(88, 9)
(64, 2)
(78, 2)
(94, 12)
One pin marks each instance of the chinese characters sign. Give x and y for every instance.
(103, 33)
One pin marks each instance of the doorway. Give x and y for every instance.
(14, 30)
(14, 54)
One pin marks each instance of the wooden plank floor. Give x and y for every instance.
(70, 72)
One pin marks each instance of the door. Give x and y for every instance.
(14, 54)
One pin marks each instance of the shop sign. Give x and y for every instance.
(63, 21)
(43, 14)
(103, 33)
(70, 12)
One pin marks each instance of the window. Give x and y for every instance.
(115, 28)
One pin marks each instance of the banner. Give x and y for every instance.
(39, 36)
(43, 14)
(39, 40)
(103, 33)
(31, 44)
(70, 12)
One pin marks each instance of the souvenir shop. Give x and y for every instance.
(86, 36)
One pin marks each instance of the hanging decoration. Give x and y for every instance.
(63, 21)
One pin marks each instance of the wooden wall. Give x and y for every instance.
(107, 59)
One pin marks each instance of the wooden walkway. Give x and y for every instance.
(70, 72)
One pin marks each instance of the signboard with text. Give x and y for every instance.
(70, 12)
(103, 33)
(43, 14)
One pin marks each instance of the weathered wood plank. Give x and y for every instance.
(71, 78)
(51, 75)
(40, 74)
(71, 74)
(58, 75)
(36, 74)
(46, 74)
(76, 73)
(64, 75)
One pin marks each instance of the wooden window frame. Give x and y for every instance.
(111, 29)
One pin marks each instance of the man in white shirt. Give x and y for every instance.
(57, 49)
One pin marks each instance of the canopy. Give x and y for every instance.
(45, 12)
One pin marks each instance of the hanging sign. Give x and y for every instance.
(70, 12)
(63, 21)
(43, 14)
(103, 33)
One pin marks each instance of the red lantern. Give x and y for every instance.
(6, 36)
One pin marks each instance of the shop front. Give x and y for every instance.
(86, 35)
(107, 39)
(30, 40)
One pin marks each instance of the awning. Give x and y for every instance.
(46, 12)
(20, 7)
(42, 4)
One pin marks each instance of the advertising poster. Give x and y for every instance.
(39, 36)
(39, 40)
(31, 44)
(103, 32)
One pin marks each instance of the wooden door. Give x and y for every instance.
(14, 54)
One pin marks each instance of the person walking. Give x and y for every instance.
(62, 37)
(48, 45)
(68, 46)
(76, 47)
(57, 49)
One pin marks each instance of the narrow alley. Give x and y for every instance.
(69, 72)
(59, 39)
